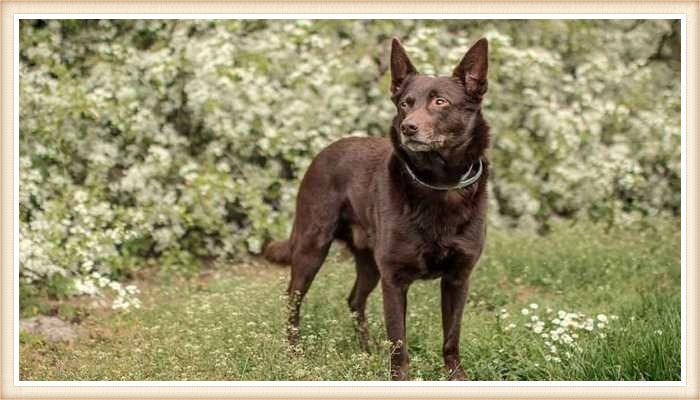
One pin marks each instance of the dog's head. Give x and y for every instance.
(437, 114)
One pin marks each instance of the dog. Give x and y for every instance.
(411, 206)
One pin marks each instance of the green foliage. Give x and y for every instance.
(230, 324)
(169, 140)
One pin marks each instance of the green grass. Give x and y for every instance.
(229, 325)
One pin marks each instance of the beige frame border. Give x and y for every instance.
(8, 8)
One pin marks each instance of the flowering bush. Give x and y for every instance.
(175, 140)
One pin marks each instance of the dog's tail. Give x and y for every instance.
(279, 251)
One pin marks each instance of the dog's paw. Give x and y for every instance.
(294, 341)
(400, 376)
(457, 374)
(296, 350)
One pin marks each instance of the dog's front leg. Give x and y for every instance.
(454, 295)
(394, 296)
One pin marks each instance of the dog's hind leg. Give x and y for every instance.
(307, 258)
(366, 280)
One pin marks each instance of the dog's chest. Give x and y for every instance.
(437, 264)
(437, 225)
(442, 238)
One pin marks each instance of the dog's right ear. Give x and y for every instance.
(401, 66)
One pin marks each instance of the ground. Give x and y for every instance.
(582, 303)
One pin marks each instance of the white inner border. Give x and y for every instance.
(17, 382)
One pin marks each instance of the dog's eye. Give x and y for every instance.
(439, 101)
(403, 104)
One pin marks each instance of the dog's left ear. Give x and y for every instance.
(473, 68)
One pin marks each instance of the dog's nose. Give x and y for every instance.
(409, 128)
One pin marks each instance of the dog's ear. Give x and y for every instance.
(401, 66)
(473, 68)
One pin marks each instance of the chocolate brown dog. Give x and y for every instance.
(409, 207)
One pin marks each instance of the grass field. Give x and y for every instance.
(607, 303)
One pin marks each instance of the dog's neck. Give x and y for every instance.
(440, 170)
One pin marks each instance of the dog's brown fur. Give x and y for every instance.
(358, 190)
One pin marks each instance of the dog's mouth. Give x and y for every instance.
(420, 146)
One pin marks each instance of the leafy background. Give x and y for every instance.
(168, 144)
